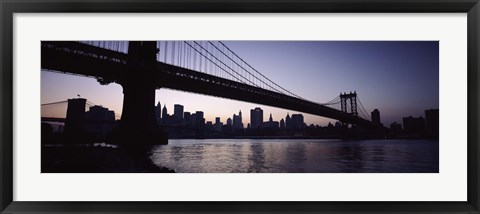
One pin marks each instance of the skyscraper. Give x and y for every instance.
(218, 125)
(376, 117)
(187, 119)
(395, 128)
(282, 123)
(99, 121)
(288, 122)
(237, 121)
(164, 114)
(256, 118)
(240, 122)
(199, 117)
(432, 121)
(158, 113)
(297, 121)
(413, 125)
(178, 113)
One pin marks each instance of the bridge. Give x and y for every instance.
(208, 68)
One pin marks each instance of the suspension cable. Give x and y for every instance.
(258, 71)
(53, 103)
(213, 62)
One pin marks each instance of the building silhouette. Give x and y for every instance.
(227, 128)
(165, 117)
(100, 113)
(288, 121)
(432, 121)
(183, 124)
(237, 121)
(414, 125)
(376, 117)
(395, 128)
(199, 124)
(338, 124)
(270, 123)
(297, 121)
(199, 118)
(218, 125)
(158, 113)
(187, 119)
(256, 118)
(178, 113)
(100, 121)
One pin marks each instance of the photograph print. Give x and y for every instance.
(239, 106)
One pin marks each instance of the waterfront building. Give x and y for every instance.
(218, 125)
(178, 112)
(376, 117)
(414, 125)
(432, 121)
(330, 125)
(100, 121)
(338, 124)
(395, 128)
(237, 121)
(288, 122)
(297, 121)
(158, 113)
(256, 118)
(199, 117)
(188, 119)
(271, 123)
(164, 115)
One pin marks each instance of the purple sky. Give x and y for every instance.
(397, 78)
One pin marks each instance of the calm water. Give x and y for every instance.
(294, 155)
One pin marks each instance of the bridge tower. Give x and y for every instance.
(75, 121)
(352, 97)
(138, 125)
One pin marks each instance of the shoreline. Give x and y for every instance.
(95, 159)
(312, 137)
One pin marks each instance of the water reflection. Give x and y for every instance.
(314, 156)
(296, 157)
(256, 158)
(350, 157)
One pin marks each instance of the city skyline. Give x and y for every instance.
(398, 78)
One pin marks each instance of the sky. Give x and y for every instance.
(399, 78)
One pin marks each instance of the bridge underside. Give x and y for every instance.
(110, 66)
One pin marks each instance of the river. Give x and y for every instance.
(298, 156)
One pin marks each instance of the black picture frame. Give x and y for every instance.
(9, 7)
